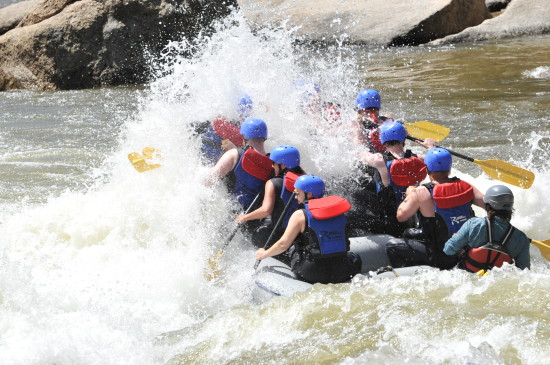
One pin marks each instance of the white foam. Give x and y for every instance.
(541, 72)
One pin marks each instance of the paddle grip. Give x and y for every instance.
(279, 221)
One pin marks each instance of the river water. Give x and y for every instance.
(100, 264)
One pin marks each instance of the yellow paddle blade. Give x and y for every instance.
(149, 153)
(139, 161)
(506, 172)
(425, 129)
(212, 270)
(544, 248)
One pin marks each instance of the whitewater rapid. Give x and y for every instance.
(108, 267)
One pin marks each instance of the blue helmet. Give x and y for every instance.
(244, 106)
(289, 155)
(393, 131)
(368, 98)
(438, 159)
(254, 128)
(311, 184)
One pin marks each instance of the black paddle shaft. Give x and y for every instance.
(279, 221)
(238, 225)
(451, 152)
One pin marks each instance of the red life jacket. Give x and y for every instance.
(249, 175)
(328, 207)
(257, 164)
(374, 138)
(489, 255)
(330, 112)
(453, 202)
(373, 133)
(227, 130)
(452, 194)
(407, 171)
(290, 179)
(287, 193)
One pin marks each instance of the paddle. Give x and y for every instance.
(544, 248)
(279, 221)
(214, 271)
(498, 169)
(139, 161)
(425, 129)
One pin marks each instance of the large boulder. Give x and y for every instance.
(11, 15)
(371, 22)
(44, 10)
(521, 17)
(68, 44)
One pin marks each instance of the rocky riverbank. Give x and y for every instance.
(72, 44)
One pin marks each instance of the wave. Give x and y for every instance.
(541, 72)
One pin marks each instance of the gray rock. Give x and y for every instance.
(371, 22)
(521, 17)
(11, 15)
(66, 44)
(44, 10)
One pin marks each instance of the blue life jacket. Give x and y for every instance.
(325, 232)
(250, 175)
(453, 202)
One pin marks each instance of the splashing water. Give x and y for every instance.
(541, 72)
(104, 274)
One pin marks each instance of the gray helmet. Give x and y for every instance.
(499, 197)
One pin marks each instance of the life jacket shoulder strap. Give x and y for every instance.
(497, 246)
(430, 186)
(328, 207)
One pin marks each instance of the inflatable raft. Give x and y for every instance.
(273, 278)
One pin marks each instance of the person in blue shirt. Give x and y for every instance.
(491, 241)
